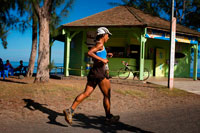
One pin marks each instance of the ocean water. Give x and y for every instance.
(59, 71)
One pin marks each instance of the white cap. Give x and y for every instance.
(103, 30)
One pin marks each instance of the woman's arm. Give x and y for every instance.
(93, 50)
(110, 55)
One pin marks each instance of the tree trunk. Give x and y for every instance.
(43, 54)
(44, 15)
(34, 48)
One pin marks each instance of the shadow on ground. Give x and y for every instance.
(98, 123)
(11, 81)
(82, 121)
(32, 105)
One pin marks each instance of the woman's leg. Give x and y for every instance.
(68, 113)
(88, 90)
(104, 85)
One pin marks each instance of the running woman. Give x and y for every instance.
(96, 76)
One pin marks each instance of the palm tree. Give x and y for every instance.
(45, 10)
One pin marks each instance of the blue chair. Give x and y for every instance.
(24, 69)
(11, 71)
(1, 73)
(4, 73)
(7, 70)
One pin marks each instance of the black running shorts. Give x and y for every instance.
(97, 73)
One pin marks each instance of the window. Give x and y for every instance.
(133, 51)
(117, 52)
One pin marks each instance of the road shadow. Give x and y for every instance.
(98, 123)
(12, 81)
(52, 115)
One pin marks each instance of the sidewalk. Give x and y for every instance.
(187, 84)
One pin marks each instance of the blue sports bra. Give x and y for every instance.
(102, 53)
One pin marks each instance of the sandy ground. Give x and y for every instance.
(28, 108)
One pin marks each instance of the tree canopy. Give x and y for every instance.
(187, 12)
(48, 13)
(5, 19)
(192, 19)
(11, 12)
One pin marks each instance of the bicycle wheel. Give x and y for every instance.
(123, 73)
(145, 74)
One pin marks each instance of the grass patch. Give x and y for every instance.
(168, 92)
(134, 93)
(12, 90)
(69, 98)
(92, 98)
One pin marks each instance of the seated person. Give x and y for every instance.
(19, 68)
(8, 65)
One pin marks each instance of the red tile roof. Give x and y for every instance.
(128, 16)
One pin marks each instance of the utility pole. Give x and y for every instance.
(172, 48)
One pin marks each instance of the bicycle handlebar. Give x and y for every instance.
(125, 63)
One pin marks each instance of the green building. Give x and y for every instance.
(138, 38)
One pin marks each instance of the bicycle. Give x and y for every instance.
(124, 72)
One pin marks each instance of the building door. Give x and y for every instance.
(160, 61)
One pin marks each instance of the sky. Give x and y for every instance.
(19, 44)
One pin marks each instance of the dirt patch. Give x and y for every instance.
(22, 101)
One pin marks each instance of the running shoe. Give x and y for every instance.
(112, 119)
(68, 116)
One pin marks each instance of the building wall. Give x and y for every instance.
(123, 40)
(76, 54)
(182, 65)
(119, 40)
(182, 69)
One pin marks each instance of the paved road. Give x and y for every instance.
(186, 84)
(169, 120)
